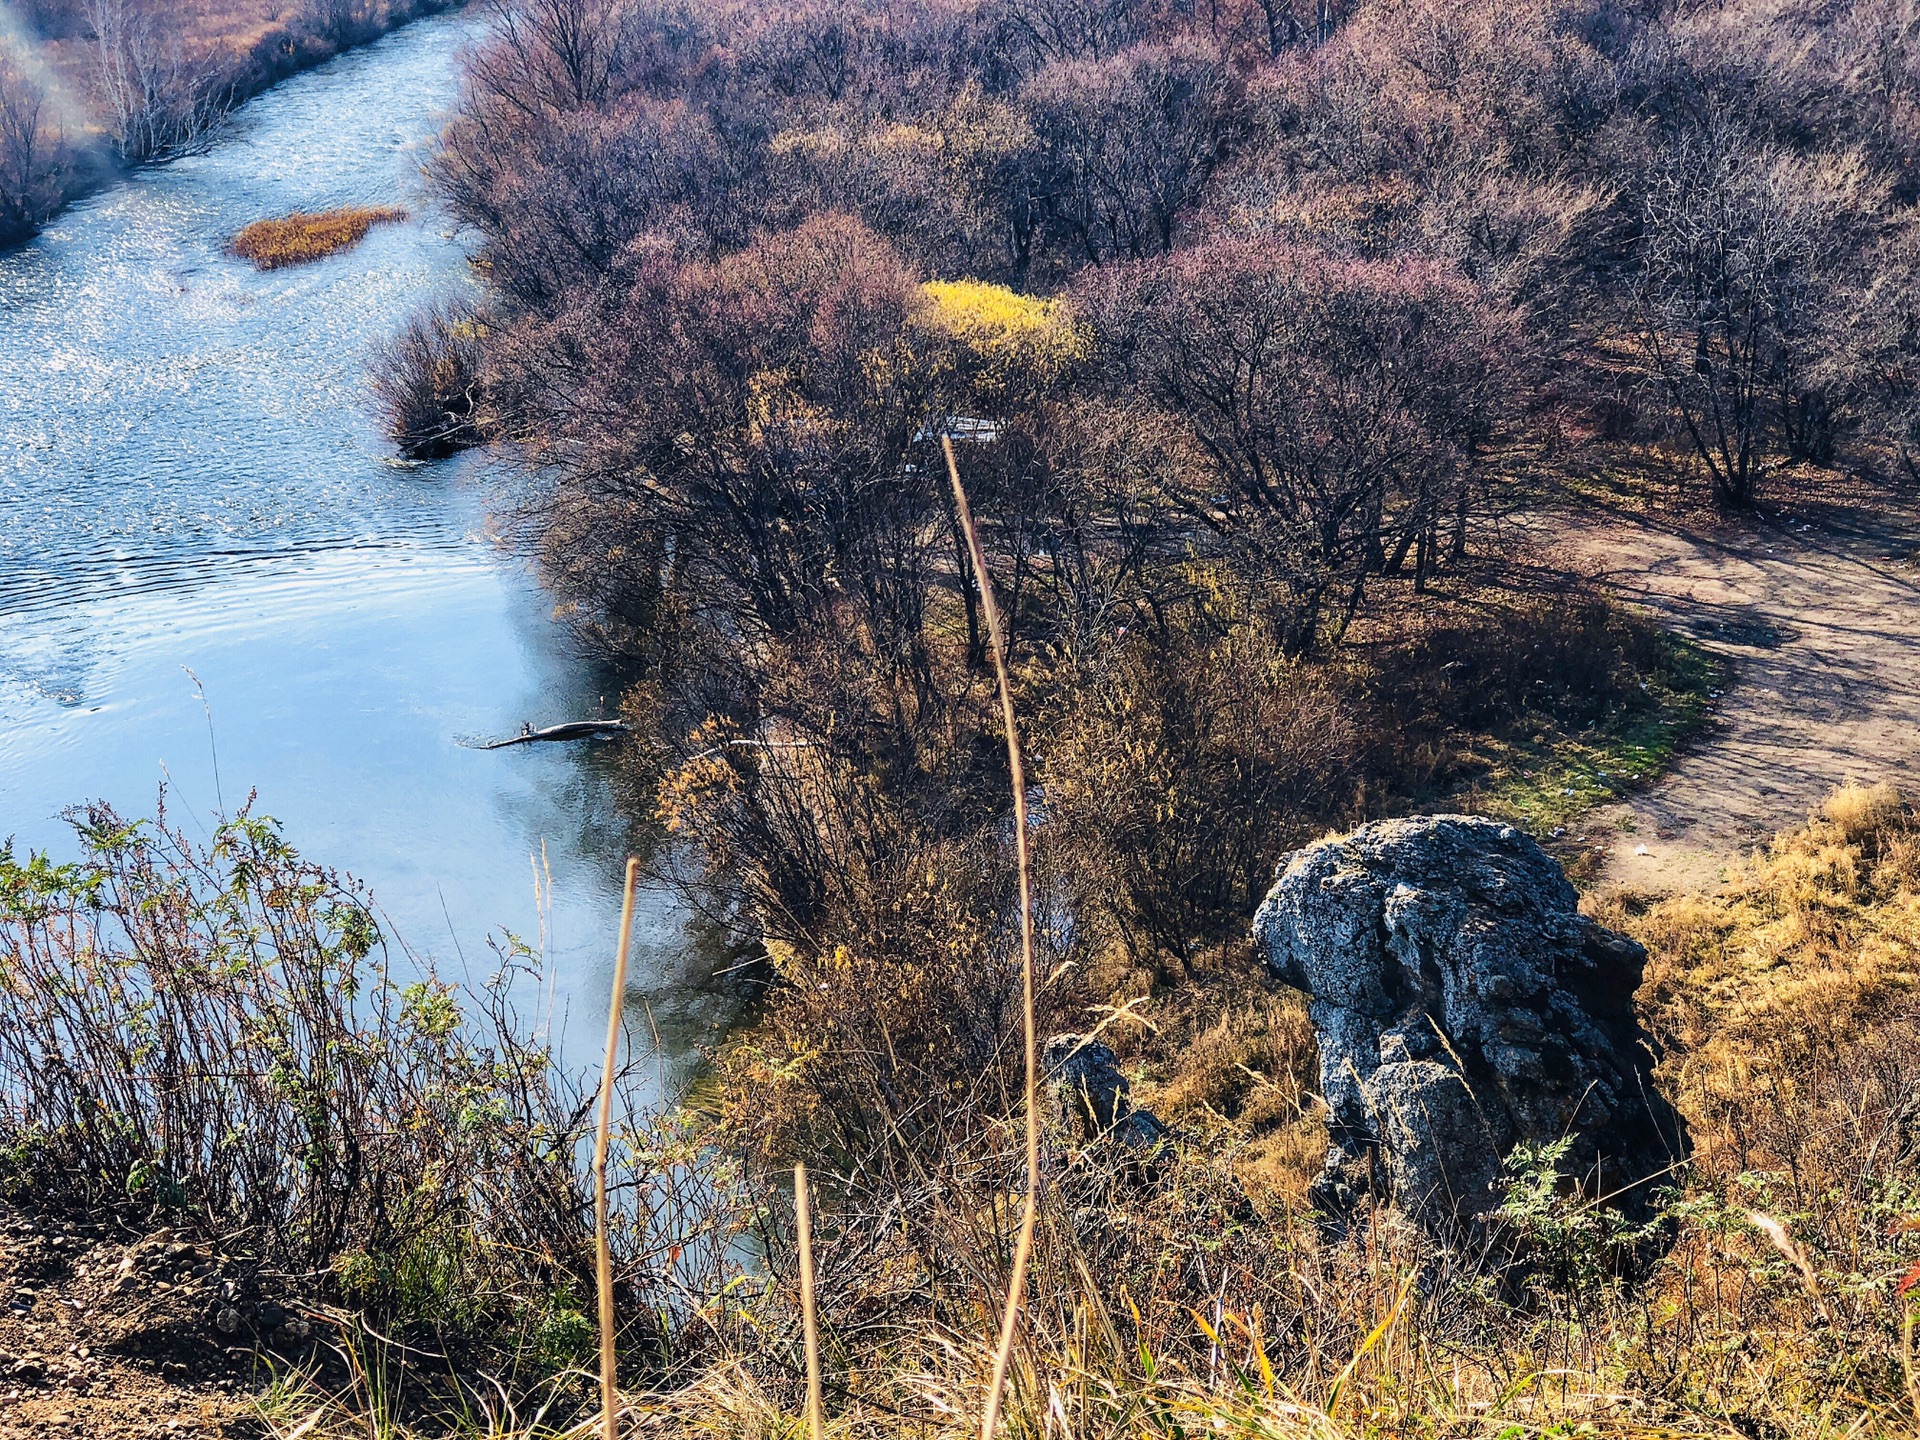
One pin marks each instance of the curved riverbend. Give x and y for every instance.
(192, 480)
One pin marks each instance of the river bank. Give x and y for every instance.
(1782, 1012)
(194, 480)
(155, 86)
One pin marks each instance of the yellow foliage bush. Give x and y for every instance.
(1005, 339)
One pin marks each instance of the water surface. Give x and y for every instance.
(195, 500)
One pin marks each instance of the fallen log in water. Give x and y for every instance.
(572, 730)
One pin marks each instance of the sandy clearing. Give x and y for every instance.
(1819, 615)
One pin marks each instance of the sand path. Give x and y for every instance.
(1818, 612)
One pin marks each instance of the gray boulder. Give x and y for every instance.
(1463, 1006)
(1089, 1094)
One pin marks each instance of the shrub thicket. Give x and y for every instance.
(427, 380)
(217, 1040)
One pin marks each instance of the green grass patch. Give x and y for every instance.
(1551, 777)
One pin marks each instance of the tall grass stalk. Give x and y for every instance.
(603, 1255)
(816, 1412)
(1023, 1249)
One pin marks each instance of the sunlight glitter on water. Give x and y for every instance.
(191, 479)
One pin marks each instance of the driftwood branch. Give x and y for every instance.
(572, 730)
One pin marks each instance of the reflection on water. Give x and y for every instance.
(191, 480)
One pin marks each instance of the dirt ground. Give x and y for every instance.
(1817, 610)
(108, 1337)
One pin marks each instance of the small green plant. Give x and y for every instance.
(214, 1038)
(1571, 1242)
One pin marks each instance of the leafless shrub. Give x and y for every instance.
(158, 95)
(1132, 141)
(36, 164)
(1332, 407)
(339, 22)
(427, 380)
(1179, 769)
(1736, 292)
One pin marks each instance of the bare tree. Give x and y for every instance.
(34, 158)
(1134, 141)
(548, 56)
(340, 21)
(158, 99)
(1740, 262)
(1331, 407)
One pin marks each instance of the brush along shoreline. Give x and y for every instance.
(1760, 1278)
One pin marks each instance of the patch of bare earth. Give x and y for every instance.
(1816, 608)
(110, 1336)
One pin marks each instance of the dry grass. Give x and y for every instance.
(1029, 1024)
(1194, 1294)
(304, 237)
(1787, 1005)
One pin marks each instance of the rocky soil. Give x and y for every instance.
(129, 1337)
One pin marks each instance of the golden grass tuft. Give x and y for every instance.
(1862, 812)
(1820, 928)
(307, 236)
(1250, 1063)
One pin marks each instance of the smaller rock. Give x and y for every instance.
(1090, 1094)
(228, 1321)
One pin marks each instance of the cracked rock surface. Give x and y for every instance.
(1463, 1007)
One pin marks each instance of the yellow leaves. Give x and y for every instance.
(1005, 339)
(698, 784)
(778, 411)
(994, 319)
(909, 140)
(979, 132)
(829, 142)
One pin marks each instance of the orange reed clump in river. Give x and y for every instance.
(301, 237)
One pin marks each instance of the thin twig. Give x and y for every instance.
(603, 1254)
(1023, 1250)
(816, 1413)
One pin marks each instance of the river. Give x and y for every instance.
(195, 499)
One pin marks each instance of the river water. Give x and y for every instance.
(193, 488)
